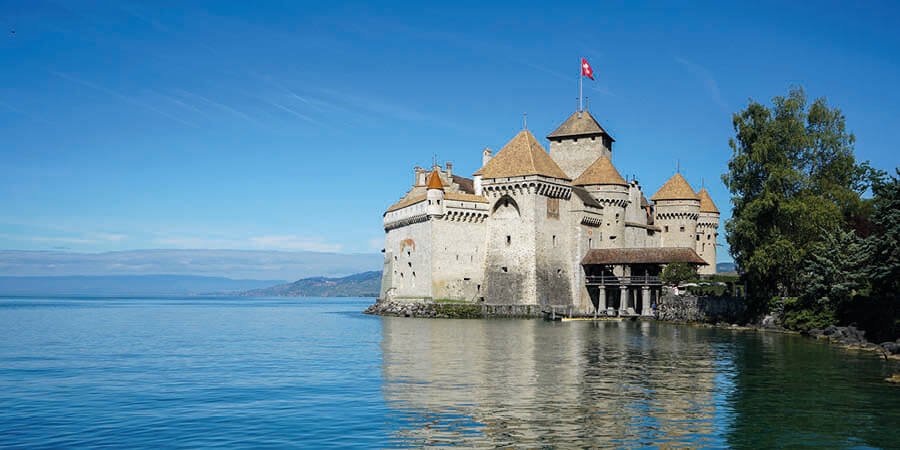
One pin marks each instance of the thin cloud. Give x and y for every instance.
(295, 113)
(221, 106)
(121, 97)
(708, 80)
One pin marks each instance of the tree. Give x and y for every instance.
(835, 270)
(884, 244)
(791, 175)
(675, 273)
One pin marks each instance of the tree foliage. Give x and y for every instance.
(835, 271)
(884, 244)
(792, 174)
(676, 273)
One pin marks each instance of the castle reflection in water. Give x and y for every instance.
(533, 383)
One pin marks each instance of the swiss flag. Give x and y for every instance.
(586, 69)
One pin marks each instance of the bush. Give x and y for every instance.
(676, 273)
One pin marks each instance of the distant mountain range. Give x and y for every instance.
(366, 284)
(726, 267)
(126, 285)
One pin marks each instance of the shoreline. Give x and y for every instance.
(475, 311)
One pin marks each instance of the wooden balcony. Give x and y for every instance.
(637, 280)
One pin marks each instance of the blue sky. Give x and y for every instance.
(292, 126)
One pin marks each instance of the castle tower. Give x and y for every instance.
(435, 194)
(677, 212)
(578, 142)
(606, 185)
(707, 230)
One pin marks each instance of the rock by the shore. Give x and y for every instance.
(426, 310)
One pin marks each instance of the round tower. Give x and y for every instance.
(708, 232)
(606, 185)
(435, 194)
(677, 210)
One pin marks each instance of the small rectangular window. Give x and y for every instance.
(508, 239)
(681, 229)
(504, 269)
(554, 240)
(667, 228)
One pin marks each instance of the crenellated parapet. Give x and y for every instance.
(465, 216)
(677, 215)
(523, 185)
(406, 221)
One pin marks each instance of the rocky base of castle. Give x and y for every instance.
(691, 308)
(426, 310)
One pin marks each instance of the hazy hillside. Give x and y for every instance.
(359, 285)
(726, 267)
(125, 285)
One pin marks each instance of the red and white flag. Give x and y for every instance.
(586, 69)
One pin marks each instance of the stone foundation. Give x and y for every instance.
(691, 308)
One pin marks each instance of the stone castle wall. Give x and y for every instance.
(573, 155)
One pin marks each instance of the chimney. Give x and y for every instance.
(450, 171)
(485, 156)
(419, 179)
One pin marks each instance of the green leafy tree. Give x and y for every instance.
(884, 244)
(792, 174)
(675, 273)
(835, 271)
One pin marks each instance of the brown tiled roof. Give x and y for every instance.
(586, 197)
(600, 172)
(465, 197)
(434, 181)
(581, 123)
(706, 202)
(466, 185)
(522, 156)
(642, 256)
(407, 202)
(677, 188)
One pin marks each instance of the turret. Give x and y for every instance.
(578, 142)
(606, 185)
(707, 232)
(676, 210)
(435, 194)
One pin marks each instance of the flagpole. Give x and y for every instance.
(580, 91)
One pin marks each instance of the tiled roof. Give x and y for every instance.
(706, 203)
(434, 181)
(642, 256)
(522, 156)
(581, 123)
(600, 172)
(407, 202)
(466, 185)
(677, 188)
(465, 197)
(586, 197)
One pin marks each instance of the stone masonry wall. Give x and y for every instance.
(691, 308)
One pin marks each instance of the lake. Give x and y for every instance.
(311, 372)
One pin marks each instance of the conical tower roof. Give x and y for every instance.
(677, 188)
(434, 181)
(601, 171)
(706, 203)
(523, 155)
(581, 123)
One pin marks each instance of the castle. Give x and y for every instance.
(557, 229)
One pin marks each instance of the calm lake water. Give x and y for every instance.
(254, 372)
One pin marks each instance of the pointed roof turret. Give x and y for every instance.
(601, 171)
(434, 181)
(581, 123)
(677, 188)
(706, 202)
(523, 155)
